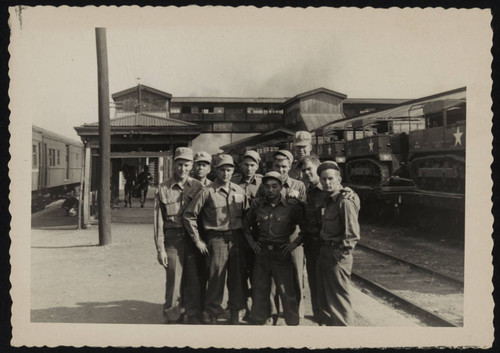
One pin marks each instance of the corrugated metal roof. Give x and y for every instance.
(374, 100)
(409, 109)
(314, 121)
(143, 119)
(316, 91)
(227, 100)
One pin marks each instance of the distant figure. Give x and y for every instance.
(130, 180)
(70, 205)
(143, 180)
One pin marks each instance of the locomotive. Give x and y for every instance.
(56, 167)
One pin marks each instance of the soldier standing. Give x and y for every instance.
(249, 180)
(282, 161)
(275, 219)
(202, 161)
(339, 234)
(175, 250)
(302, 147)
(221, 206)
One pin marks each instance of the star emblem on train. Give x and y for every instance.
(458, 137)
(371, 145)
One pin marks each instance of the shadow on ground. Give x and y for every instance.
(114, 312)
(55, 219)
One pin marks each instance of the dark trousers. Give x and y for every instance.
(248, 269)
(272, 264)
(128, 193)
(298, 271)
(143, 194)
(311, 252)
(182, 282)
(225, 259)
(333, 275)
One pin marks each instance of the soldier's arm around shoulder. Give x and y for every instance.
(192, 213)
(349, 209)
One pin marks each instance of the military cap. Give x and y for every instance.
(302, 138)
(285, 153)
(327, 165)
(224, 159)
(202, 156)
(183, 153)
(273, 175)
(252, 154)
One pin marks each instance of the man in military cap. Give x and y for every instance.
(275, 219)
(221, 206)
(249, 180)
(176, 252)
(282, 161)
(302, 145)
(202, 161)
(339, 235)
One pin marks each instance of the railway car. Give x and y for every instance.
(412, 154)
(57, 164)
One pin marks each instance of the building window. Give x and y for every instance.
(207, 110)
(51, 157)
(186, 110)
(175, 110)
(58, 157)
(35, 158)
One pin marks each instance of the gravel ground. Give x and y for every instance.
(75, 280)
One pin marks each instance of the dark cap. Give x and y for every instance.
(327, 165)
(252, 154)
(302, 138)
(224, 159)
(284, 153)
(202, 156)
(273, 175)
(183, 153)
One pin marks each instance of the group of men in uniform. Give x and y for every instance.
(254, 235)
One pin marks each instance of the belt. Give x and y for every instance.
(272, 246)
(330, 243)
(174, 231)
(224, 233)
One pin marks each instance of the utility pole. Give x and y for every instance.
(104, 138)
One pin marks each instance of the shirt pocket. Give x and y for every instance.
(236, 205)
(172, 208)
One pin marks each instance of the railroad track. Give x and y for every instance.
(436, 299)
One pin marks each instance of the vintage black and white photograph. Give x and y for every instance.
(197, 176)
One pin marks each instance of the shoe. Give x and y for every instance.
(246, 317)
(208, 319)
(193, 320)
(142, 206)
(275, 319)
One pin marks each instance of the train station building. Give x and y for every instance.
(148, 124)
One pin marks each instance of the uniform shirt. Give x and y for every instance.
(340, 220)
(219, 209)
(250, 187)
(205, 181)
(173, 199)
(295, 172)
(274, 223)
(289, 185)
(316, 199)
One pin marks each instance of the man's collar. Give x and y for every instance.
(316, 185)
(282, 200)
(218, 186)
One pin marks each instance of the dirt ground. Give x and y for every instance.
(75, 280)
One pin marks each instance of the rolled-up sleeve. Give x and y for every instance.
(349, 212)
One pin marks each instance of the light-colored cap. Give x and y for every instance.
(273, 175)
(302, 138)
(183, 153)
(202, 156)
(285, 153)
(252, 154)
(224, 159)
(327, 165)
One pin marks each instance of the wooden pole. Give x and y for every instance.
(104, 139)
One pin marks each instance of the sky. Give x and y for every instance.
(237, 52)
